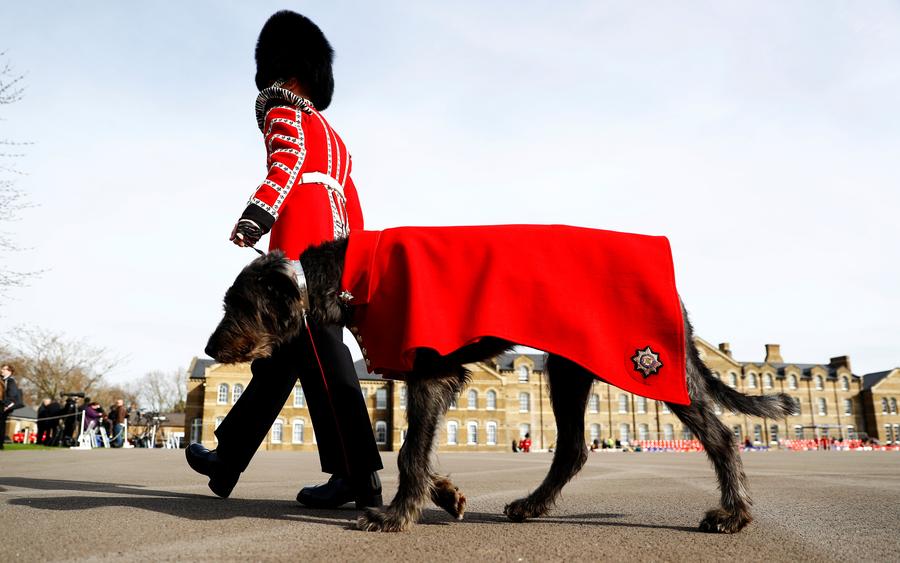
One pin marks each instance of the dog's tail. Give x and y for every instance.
(764, 406)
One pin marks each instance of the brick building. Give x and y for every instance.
(507, 398)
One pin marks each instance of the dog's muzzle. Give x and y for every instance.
(300, 280)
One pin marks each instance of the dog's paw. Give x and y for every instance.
(718, 521)
(374, 520)
(521, 510)
(446, 495)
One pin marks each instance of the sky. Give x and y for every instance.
(762, 138)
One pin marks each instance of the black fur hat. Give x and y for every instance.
(292, 46)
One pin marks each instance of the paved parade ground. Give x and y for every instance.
(147, 505)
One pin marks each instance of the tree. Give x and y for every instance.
(12, 199)
(48, 364)
(162, 391)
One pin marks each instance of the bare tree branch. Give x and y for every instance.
(162, 391)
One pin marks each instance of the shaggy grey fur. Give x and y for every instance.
(261, 311)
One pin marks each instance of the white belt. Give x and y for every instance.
(325, 179)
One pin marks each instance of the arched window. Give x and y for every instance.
(848, 406)
(196, 430)
(845, 383)
(751, 381)
(768, 383)
(277, 431)
(893, 405)
(491, 400)
(524, 402)
(453, 401)
(472, 433)
(792, 381)
(668, 432)
(473, 399)
(403, 392)
(523, 374)
(491, 428)
(236, 392)
(380, 431)
(820, 384)
(823, 406)
(884, 406)
(641, 405)
(594, 403)
(732, 380)
(297, 432)
(222, 397)
(595, 432)
(625, 433)
(623, 404)
(299, 398)
(643, 432)
(773, 433)
(452, 430)
(738, 433)
(381, 398)
(757, 433)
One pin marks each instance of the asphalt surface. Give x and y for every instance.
(147, 505)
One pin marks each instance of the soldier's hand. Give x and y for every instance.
(246, 233)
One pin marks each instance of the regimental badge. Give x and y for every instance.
(346, 296)
(646, 361)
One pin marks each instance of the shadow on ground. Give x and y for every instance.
(206, 507)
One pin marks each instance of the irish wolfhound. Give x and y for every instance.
(266, 307)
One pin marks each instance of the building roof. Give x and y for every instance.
(198, 367)
(172, 419)
(27, 413)
(872, 379)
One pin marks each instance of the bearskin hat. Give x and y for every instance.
(292, 46)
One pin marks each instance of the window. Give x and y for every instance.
(797, 410)
(236, 392)
(523, 374)
(219, 420)
(888, 437)
(595, 432)
(625, 433)
(738, 433)
(798, 432)
(222, 398)
(491, 433)
(823, 406)
(452, 430)
(381, 398)
(380, 431)
(768, 383)
(686, 433)
(472, 399)
(491, 400)
(641, 406)
(623, 404)
(453, 401)
(751, 381)
(402, 435)
(277, 431)
(299, 398)
(524, 402)
(524, 429)
(594, 403)
(893, 405)
(472, 433)
(196, 430)
(668, 432)
(820, 384)
(848, 406)
(403, 392)
(792, 382)
(884, 406)
(297, 432)
(773, 433)
(732, 380)
(664, 408)
(757, 433)
(845, 383)
(643, 432)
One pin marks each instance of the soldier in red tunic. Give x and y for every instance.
(307, 198)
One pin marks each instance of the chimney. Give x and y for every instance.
(840, 362)
(773, 354)
(725, 348)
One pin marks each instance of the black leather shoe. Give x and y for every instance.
(222, 478)
(338, 491)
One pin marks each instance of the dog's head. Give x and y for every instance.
(262, 311)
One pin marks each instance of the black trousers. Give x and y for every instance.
(336, 405)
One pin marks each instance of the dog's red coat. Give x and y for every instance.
(594, 297)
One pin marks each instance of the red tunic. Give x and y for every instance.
(308, 196)
(602, 299)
